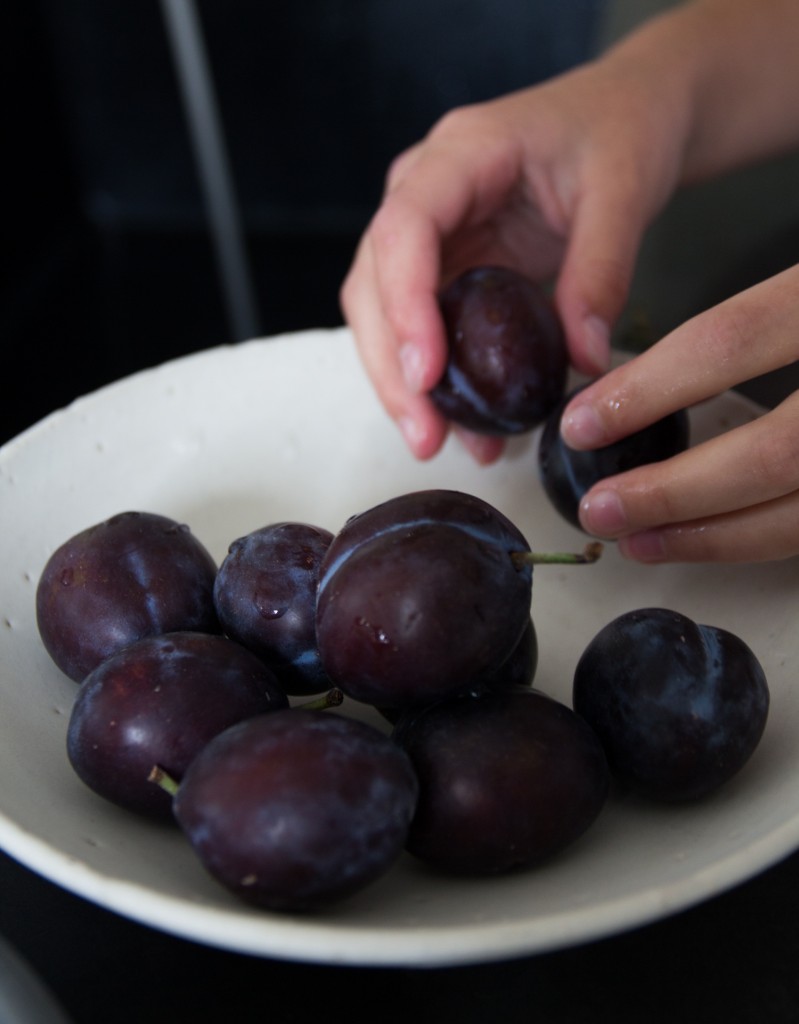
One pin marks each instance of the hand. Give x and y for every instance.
(558, 181)
(733, 498)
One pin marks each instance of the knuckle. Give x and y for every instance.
(460, 120)
(733, 328)
(649, 496)
(398, 168)
(346, 299)
(352, 286)
(386, 219)
(607, 278)
(776, 458)
(661, 503)
(660, 506)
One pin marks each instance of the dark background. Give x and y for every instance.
(108, 266)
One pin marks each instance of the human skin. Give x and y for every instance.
(561, 181)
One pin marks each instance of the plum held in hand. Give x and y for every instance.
(160, 700)
(136, 574)
(419, 595)
(298, 809)
(506, 780)
(679, 707)
(507, 359)
(567, 474)
(265, 597)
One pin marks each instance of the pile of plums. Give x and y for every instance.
(212, 696)
(419, 607)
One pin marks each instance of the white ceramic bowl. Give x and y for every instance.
(288, 428)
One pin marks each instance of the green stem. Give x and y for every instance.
(163, 779)
(587, 556)
(332, 699)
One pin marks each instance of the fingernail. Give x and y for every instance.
(602, 513)
(597, 342)
(483, 448)
(412, 432)
(582, 428)
(646, 546)
(412, 368)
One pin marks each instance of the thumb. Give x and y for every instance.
(595, 276)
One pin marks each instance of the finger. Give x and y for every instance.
(423, 428)
(746, 466)
(394, 307)
(448, 185)
(484, 448)
(745, 336)
(391, 296)
(404, 248)
(400, 166)
(595, 277)
(759, 533)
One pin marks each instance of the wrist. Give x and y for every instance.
(730, 67)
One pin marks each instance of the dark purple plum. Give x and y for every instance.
(518, 669)
(265, 597)
(159, 701)
(678, 707)
(567, 474)
(136, 574)
(507, 359)
(298, 809)
(506, 780)
(419, 595)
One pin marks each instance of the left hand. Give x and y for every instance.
(733, 498)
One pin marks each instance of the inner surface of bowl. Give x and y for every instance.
(288, 428)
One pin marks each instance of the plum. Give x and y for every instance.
(297, 809)
(507, 357)
(567, 474)
(518, 669)
(678, 707)
(133, 575)
(506, 780)
(419, 595)
(159, 701)
(265, 597)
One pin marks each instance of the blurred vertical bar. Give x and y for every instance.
(186, 39)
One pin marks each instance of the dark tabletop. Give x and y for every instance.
(732, 960)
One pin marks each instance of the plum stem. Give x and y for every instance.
(163, 779)
(170, 785)
(590, 553)
(332, 699)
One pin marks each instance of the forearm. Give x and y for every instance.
(731, 66)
